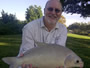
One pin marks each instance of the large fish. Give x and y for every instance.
(47, 56)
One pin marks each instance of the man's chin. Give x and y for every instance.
(52, 22)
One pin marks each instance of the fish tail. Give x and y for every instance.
(12, 61)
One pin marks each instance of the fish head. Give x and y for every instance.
(73, 60)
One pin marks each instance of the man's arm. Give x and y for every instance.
(61, 40)
(27, 40)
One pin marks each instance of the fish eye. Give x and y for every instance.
(77, 61)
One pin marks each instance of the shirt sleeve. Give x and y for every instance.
(61, 40)
(27, 40)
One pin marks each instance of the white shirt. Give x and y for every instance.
(37, 31)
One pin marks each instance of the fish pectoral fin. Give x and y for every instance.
(68, 61)
(14, 66)
(40, 43)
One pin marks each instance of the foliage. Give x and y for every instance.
(10, 44)
(77, 6)
(7, 17)
(80, 28)
(33, 12)
(9, 24)
(62, 20)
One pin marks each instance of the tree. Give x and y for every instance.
(77, 6)
(7, 17)
(33, 12)
(73, 26)
(62, 20)
(9, 24)
(80, 28)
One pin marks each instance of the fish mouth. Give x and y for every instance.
(80, 65)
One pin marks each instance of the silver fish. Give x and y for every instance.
(47, 56)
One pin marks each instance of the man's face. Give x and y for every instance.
(52, 12)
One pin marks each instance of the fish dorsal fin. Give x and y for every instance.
(40, 43)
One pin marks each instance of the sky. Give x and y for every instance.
(18, 8)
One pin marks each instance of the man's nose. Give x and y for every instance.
(54, 11)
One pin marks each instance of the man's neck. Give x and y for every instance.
(49, 26)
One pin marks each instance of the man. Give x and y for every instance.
(46, 29)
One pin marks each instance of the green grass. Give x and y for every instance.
(10, 44)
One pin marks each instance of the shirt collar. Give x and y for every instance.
(42, 23)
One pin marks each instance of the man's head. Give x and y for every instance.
(52, 11)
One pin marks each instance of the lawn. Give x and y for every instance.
(10, 44)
